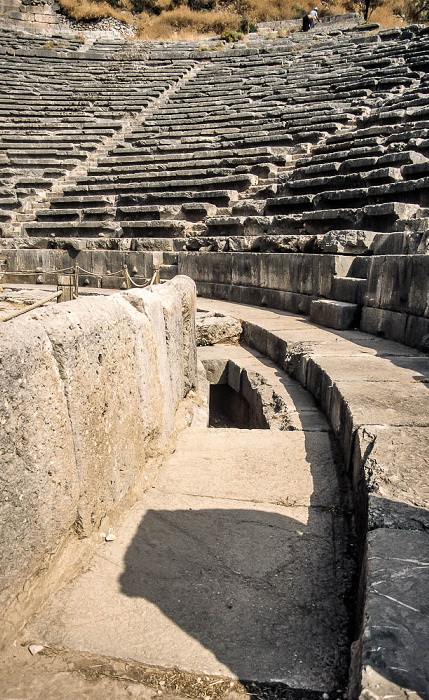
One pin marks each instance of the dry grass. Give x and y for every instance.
(184, 23)
(271, 10)
(391, 13)
(387, 16)
(90, 10)
(163, 21)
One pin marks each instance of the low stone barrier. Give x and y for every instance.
(89, 393)
(280, 281)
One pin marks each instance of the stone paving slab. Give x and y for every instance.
(383, 418)
(212, 584)
(395, 465)
(297, 329)
(296, 470)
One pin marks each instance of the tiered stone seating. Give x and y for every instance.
(212, 139)
(371, 183)
(299, 145)
(58, 104)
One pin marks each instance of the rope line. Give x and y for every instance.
(75, 270)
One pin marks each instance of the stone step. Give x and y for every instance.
(71, 228)
(219, 198)
(359, 268)
(355, 197)
(321, 184)
(252, 163)
(79, 202)
(9, 203)
(237, 182)
(288, 205)
(25, 162)
(153, 229)
(245, 207)
(4, 216)
(144, 155)
(381, 176)
(30, 185)
(341, 155)
(349, 289)
(149, 176)
(345, 141)
(167, 272)
(330, 313)
(414, 171)
(316, 170)
(98, 213)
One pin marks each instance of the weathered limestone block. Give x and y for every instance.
(207, 267)
(297, 273)
(186, 288)
(334, 314)
(399, 283)
(153, 384)
(93, 342)
(346, 242)
(39, 482)
(216, 328)
(417, 333)
(172, 310)
(391, 466)
(386, 324)
(88, 395)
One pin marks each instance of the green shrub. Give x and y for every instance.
(230, 36)
(247, 27)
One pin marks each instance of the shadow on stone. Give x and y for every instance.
(255, 587)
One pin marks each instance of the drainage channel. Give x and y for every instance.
(234, 565)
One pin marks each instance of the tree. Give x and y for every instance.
(417, 10)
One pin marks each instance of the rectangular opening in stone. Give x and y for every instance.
(230, 409)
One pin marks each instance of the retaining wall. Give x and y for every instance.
(395, 305)
(35, 14)
(89, 391)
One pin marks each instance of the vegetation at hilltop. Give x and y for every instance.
(188, 19)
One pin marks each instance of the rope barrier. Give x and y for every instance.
(75, 271)
(141, 286)
(153, 279)
(43, 272)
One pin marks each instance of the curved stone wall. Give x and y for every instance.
(89, 393)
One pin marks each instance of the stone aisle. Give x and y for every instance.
(232, 564)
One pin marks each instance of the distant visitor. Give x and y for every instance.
(308, 21)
